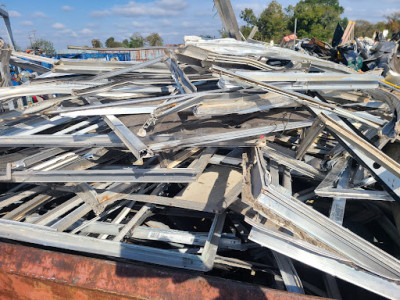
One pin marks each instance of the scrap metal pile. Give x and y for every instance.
(377, 54)
(253, 162)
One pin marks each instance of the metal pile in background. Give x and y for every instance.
(252, 162)
(376, 55)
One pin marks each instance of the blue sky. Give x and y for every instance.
(75, 22)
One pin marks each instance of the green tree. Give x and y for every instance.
(344, 22)
(273, 22)
(154, 39)
(316, 18)
(110, 42)
(136, 40)
(96, 43)
(393, 22)
(125, 43)
(248, 16)
(364, 28)
(45, 46)
(380, 26)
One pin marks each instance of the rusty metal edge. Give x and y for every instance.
(33, 273)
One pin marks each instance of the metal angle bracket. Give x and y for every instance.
(132, 142)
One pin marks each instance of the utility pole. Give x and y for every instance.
(30, 39)
(34, 35)
(295, 32)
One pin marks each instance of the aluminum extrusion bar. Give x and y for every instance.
(75, 141)
(237, 134)
(132, 142)
(123, 175)
(111, 111)
(289, 274)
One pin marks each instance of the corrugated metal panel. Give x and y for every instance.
(140, 54)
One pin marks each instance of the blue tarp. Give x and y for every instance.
(106, 56)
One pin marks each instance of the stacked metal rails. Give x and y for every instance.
(222, 156)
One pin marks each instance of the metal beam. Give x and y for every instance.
(228, 18)
(122, 175)
(7, 22)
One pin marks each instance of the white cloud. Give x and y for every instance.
(100, 13)
(176, 33)
(175, 4)
(67, 8)
(137, 24)
(67, 32)
(255, 6)
(86, 31)
(14, 14)
(186, 24)
(152, 8)
(58, 26)
(387, 11)
(203, 13)
(27, 23)
(155, 8)
(165, 22)
(39, 14)
(92, 25)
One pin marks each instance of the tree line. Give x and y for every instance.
(135, 41)
(315, 18)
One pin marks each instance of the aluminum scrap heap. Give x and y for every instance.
(243, 160)
(377, 54)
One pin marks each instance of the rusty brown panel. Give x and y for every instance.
(146, 54)
(50, 274)
(14, 287)
(136, 55)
